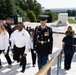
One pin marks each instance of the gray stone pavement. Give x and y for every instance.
(72, 71)
(15, 69)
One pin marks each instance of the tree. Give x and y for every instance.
(28, 5)
(10, 7)
(22, 4)
(35, 7)
(52, 15)
(22, 13)
(38, 10)
(2, 9)
(74, 13)
(69, 12)
(32, 16)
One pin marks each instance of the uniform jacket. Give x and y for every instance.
(43, 40)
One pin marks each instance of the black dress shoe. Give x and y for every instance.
(34, 65)
(0, 66)
(67, 68)
(18, 61)
(20, 64)
(22, 71)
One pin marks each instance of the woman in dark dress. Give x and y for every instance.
(68, 42)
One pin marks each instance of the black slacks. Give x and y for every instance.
(18, 56)
(6, 56)
(33, 57)
(68, 60)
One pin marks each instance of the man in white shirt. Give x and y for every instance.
(20, 44)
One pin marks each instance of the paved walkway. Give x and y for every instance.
(72, 71)
(15, 69)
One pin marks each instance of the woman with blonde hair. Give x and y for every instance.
(4, 44)
(68, 42)
(70, 29)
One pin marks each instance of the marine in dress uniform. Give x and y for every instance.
(20, 44)
(7, 27)
(43, 41)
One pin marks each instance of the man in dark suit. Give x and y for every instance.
(43, 41)
(7, 27)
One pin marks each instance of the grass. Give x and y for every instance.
(71, 21)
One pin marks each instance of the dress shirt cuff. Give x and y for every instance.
(6, 50)
(12, 47)
(26, 51)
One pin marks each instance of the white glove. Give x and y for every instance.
(34, 51)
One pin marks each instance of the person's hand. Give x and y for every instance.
(5, 53)
(24, 55)
(50, 52)
(29, 50)
(34, 52)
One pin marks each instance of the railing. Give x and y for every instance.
(46, 69)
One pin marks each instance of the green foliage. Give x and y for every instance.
(10, 8)
(32, 16)
(38, 10)
(27, 5)
(29, 10)
(2, 9)
(71, 21)
(52, 15)
(22, 4)
(74, 13)
(71, 12)
(22, 13)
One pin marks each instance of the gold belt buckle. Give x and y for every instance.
(42, 42)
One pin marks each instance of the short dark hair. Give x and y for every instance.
(20, 23)
(32, 30)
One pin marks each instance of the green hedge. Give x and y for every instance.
(71, 21)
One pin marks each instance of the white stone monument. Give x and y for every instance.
(63, 18)
(19, 19)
